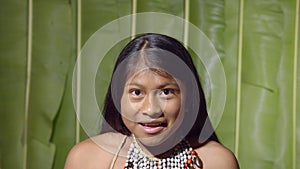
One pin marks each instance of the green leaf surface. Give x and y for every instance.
(97, 13)
(51, 56)
(297, 120)
(13, 31)
(64, 130)
(263, 119)
(175, 7)
(286, 78)
(227, 126)
(209, 17)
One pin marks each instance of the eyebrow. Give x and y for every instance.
(134, 84)
(160, 87)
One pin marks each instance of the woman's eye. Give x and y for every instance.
(167, 91)
(136, 92)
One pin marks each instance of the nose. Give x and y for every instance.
(151, 106)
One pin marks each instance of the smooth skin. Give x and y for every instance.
(151, 107)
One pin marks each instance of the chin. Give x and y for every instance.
(152, 140)
(157, 139)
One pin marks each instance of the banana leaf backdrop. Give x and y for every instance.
(258, 42)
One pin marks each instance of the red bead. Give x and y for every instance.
(193, 152)
(185, 165)
(189, 161)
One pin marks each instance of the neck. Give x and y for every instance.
(163, 150)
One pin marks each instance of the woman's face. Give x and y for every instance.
(150, 104)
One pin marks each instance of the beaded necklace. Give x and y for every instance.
(183, 156)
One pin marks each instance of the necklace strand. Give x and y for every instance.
(183, 156)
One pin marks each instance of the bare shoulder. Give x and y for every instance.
(214, 155)
(89, 155)
(86, 154)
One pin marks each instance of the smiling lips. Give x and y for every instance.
(153, 127)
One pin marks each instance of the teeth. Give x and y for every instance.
(152, 124)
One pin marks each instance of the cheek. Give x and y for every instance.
(128, 109)
(172, 108)
(128, 117)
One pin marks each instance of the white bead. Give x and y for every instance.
(179, 155)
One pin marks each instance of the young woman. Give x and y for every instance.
(155, 114)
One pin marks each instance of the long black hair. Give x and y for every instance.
(129, 57)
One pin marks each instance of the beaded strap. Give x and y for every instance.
(112, 164)
(183, 156)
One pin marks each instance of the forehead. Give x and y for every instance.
(150, 75)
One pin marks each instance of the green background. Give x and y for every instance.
(257, 40)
